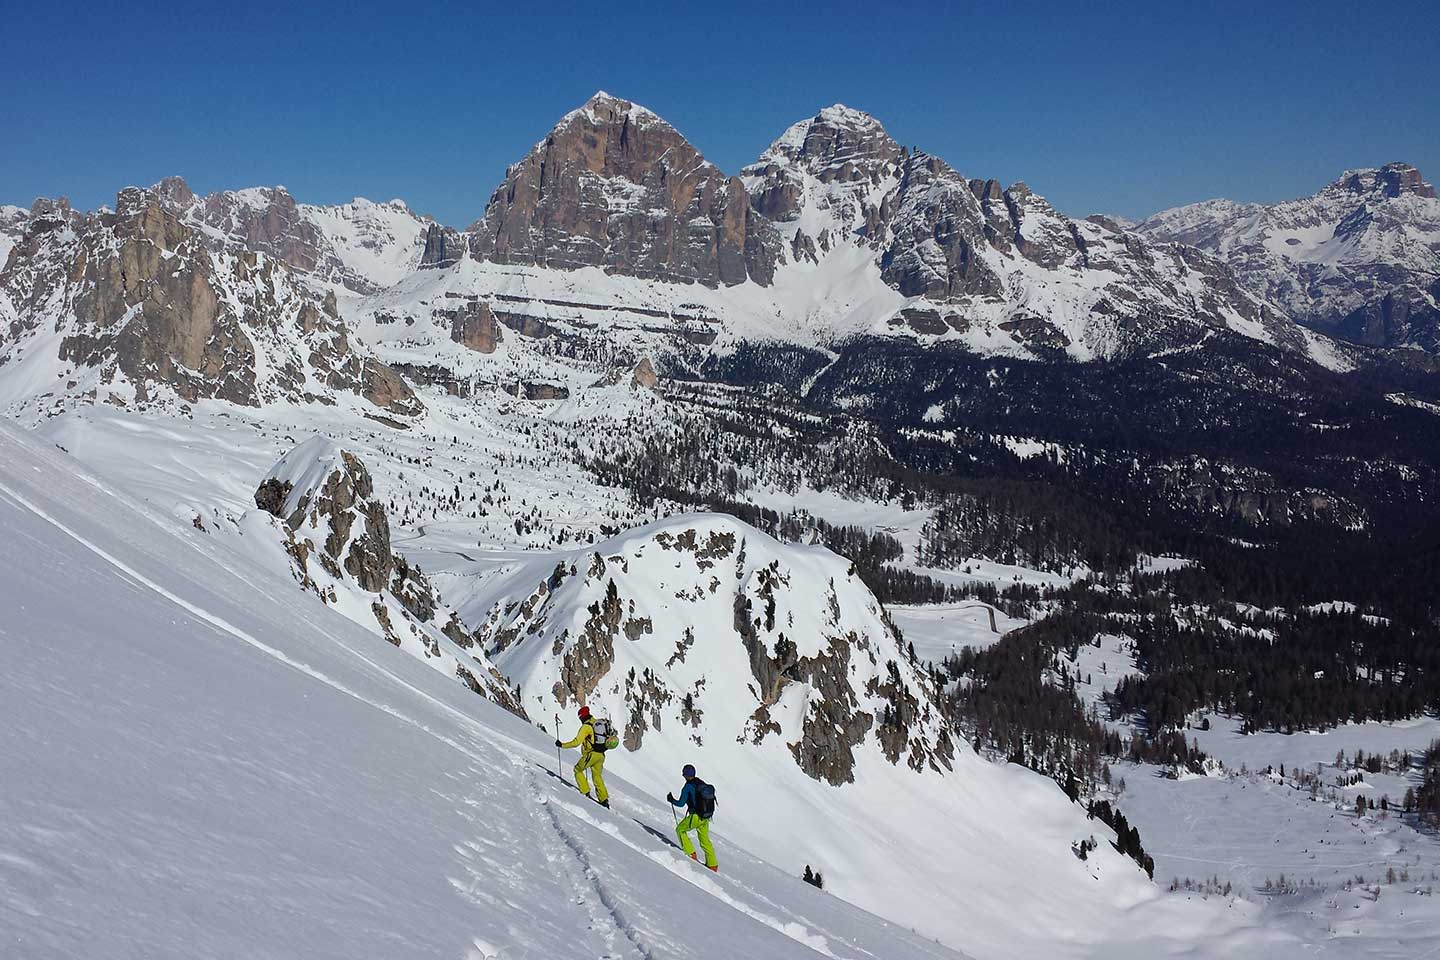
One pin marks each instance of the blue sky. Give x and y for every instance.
(1119, 108)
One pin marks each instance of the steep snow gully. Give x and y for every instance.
(170, 793)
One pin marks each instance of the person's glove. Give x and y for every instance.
(670, 798)
(559, 743)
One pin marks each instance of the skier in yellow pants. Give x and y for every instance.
(698, 798)
(592, 758)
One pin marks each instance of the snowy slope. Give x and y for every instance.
(651, 628)
(372, 244)
(1003, 882)
(205, 764)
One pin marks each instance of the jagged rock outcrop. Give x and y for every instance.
(362, 245)
(263, 219)
(153, 309)
(474, 327)
(847, 153)
(331, 516)
(144, 300)
(614, 186)
(1359, 258)
(644, 375)
(444, 247)
(327, 492)
(936, 232)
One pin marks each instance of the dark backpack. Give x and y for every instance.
(704, 803)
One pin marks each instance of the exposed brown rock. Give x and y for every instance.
(474, 327)
(443, 247)
(616, 187)
(644, 375)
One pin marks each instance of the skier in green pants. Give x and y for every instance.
(592, 755)
(698, 797)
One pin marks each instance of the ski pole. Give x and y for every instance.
(559, 764)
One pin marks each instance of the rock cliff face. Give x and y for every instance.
(336, 533)
(616, 187)
(849, 156)
(475, 327)
(1359, 258)
(144, 301)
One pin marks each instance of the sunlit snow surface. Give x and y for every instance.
(210, 762)
(208, 467)
(203, 761)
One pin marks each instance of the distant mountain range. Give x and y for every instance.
(1359, 260)
(614, 225)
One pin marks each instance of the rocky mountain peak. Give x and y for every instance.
(835, 136)
(604, 108)
(840, 161)
(1391, 180)
(175, 192)
(614, 186)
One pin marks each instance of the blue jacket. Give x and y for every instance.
(689, 797)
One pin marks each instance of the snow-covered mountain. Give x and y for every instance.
(1360, 258)
(209, 762)
(256, 420)
(774, 668)
(988, 266)
(361, 246)
(613, 240)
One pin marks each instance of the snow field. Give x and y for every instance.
(210, 763)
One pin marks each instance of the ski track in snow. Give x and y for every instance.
(681, 866)
(567, 856)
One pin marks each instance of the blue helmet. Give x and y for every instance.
(689, 771)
